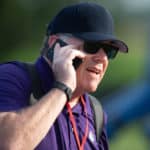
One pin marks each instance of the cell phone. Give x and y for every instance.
(76, 62)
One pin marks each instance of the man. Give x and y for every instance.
(62, 118)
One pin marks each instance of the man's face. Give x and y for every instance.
(91, 70)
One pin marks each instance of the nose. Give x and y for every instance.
(99, 56)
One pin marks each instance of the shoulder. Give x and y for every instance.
(13, 69)
(14, 86)
(94, 100)
(98, 108)
(14, 74)
(95, 103)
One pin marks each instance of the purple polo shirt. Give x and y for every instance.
(15, 90)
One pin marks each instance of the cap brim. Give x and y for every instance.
(95, 37)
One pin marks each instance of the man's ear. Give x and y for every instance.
(52, 40)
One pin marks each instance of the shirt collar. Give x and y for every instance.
(78, 108)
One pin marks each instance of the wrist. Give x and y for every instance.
(63, 87)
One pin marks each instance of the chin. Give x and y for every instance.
(91, 89)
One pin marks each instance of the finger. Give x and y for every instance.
(62, 50)
(75, 53)
(57, 47)
(56, 50)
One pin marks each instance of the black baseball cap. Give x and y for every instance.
(87, 21)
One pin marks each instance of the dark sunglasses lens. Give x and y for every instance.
(91, 48)
(110, 51)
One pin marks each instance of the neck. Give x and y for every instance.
(74, 101)
(75, 98)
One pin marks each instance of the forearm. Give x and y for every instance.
(26, 128)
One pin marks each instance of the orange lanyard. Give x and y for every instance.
(72, 119)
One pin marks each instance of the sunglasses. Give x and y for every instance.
(93, 47)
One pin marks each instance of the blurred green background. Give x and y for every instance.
(23, 25)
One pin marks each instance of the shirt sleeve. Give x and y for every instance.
(14, 87)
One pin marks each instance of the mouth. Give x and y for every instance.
(94, 70)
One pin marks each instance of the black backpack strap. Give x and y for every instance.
(98, 115)
(35, 80)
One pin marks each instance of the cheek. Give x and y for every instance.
(106, 65)
(81, 75)
(86, 82)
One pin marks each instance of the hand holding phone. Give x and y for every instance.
(76, 62)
